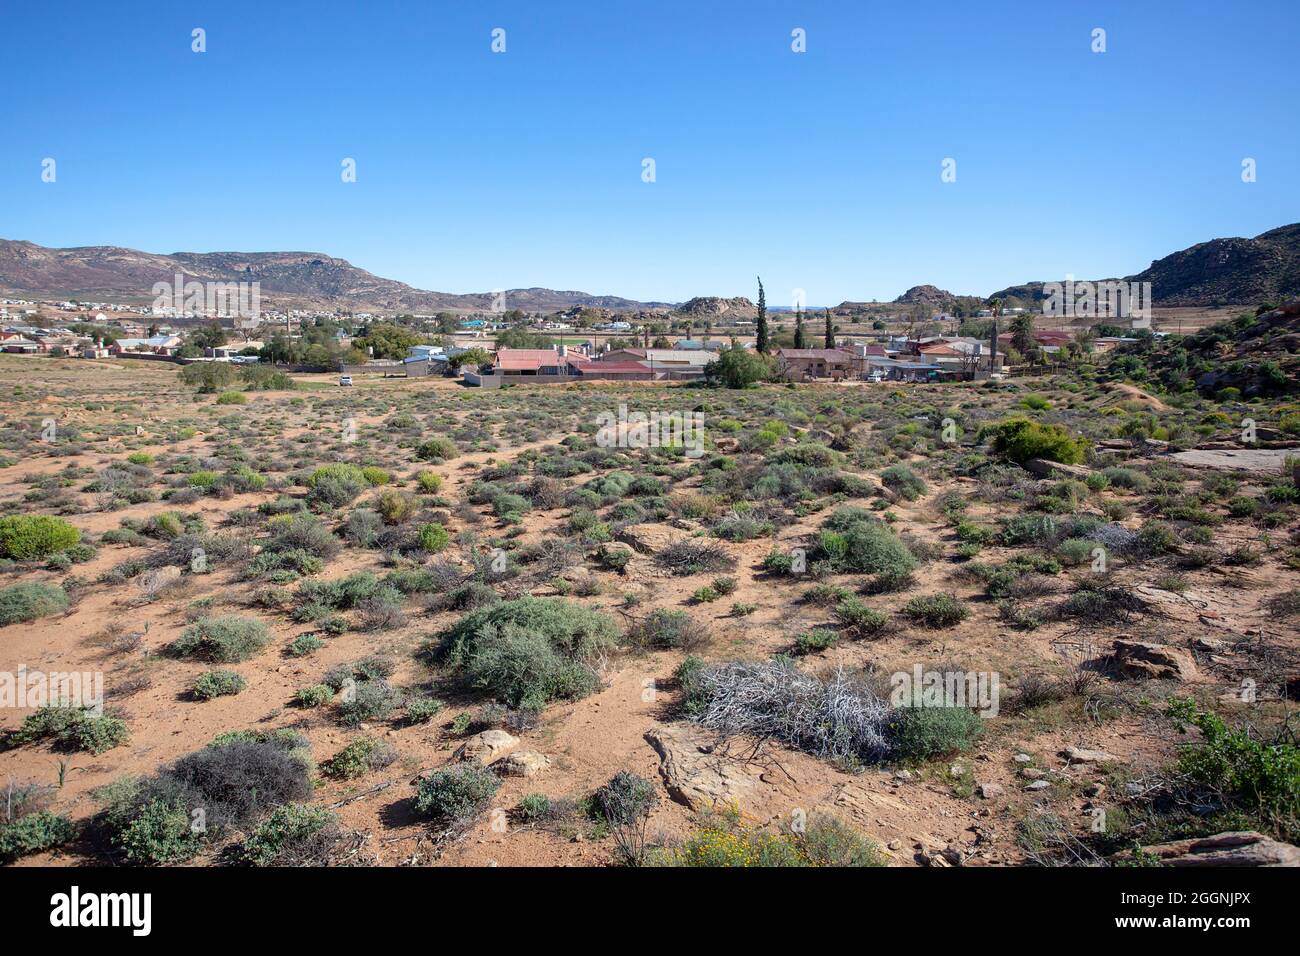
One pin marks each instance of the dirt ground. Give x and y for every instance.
(912, 812)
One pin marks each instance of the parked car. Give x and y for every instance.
(345, 379)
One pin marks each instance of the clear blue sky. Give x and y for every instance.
(818, 171)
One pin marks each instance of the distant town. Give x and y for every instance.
(579, 344)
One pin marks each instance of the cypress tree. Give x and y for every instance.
(798, 328)
(761, 337)
(830, 331)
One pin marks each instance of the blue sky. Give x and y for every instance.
(818, 171)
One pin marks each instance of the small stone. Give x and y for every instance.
(990, 791)
(1031, 773)
(1038, 785)
(1023, 758)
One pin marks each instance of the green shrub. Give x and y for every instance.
(221, 640)
(534, 806)
(421, 710)
(1259, 774)
(23, 537)
(858, 619)
(936, 610)
(235, 780)
(34, 833)
(304, 644)
(434, 538)
(157, 833)
(368, 700)
(71, 728)
(1028, 529)
(903, 481)
(455, 794)
(865, 546)
(665, 629)
(30, 600)
(1020, 439)
(1073, 552)
(295, 834)
(335, 485)
(428, 482)
(396, 506)
(232, 398)
(436, 450)
(922, 733)
(376, 476)
(359, 758)
(813, 642)
(217, 684)
(317, 695)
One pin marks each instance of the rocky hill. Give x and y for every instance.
(1229, 271)
(288, 279)
(1219, 272)
(712, 306)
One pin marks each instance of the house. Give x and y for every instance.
(20, 345)
(618, 371)
(512, 363)
(663, 358)
(157, 344)
(808, 364)
(694, 345)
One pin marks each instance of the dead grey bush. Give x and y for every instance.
(840, 717)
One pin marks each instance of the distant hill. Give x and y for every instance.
(712, 306)
(1219, 272)
(288, 279)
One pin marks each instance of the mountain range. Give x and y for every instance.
(1232, 271)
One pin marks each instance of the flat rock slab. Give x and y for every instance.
(1254, 460)
(1238, 848)
(694, 774)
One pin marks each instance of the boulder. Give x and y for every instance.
(1082, 755)
(1259, 461)
(1238, 848)
(1055, 469)
(694, 774)
(522, 763)
(485, 747)
(1139, 659)
(990, 791)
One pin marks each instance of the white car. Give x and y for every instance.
(345, 379)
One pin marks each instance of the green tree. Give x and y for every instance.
(798, 328)
(1022, 334)
(830, 331)
(388, 341)
(210, 336)
(761, 343)
(739, 368)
